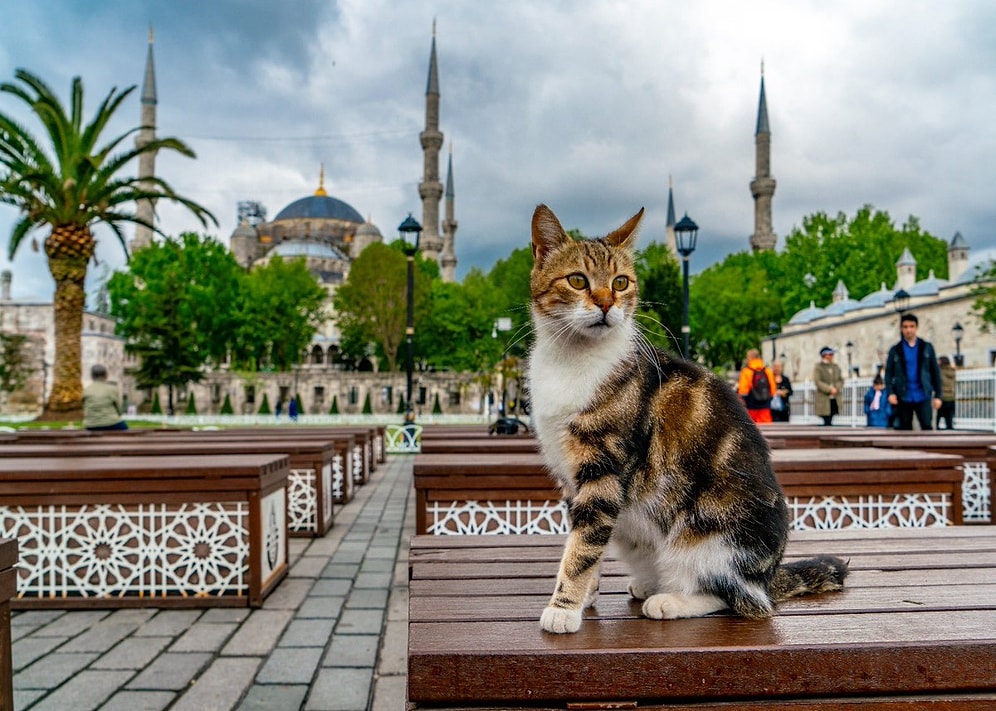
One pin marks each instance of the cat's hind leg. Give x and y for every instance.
(671, 606)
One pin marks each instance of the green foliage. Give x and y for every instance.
(437, 409)
(226, 406)
(861, 251)
(334, 410)
(985, 303)
(191, 405)
(367, 408)
(401, 403)
(172, 308)
(14, 368)
(300, 405)
(264, 407)
(280, 309)
(157, 408)
(661, 296)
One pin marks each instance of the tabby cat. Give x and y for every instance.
(650, 451)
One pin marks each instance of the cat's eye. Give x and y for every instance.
(620, 283)
(578, 281)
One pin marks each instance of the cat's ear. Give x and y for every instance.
(547, 233)
(625, 235)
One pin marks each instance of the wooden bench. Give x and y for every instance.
(314, 467)
(972, 447)
(915, 626)
(864, 487)
(146, 531)
(8, 590)
(480, 445)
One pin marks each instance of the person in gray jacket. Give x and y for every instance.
(912, 377)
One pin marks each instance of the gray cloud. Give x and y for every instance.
(588, 107)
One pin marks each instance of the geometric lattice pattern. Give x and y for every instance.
(806, 514)
(359, 471)
(303, 498)
(975, 495)
(327, 492)
(338, 478)
(403, 439)
(482, 517)
(872, 511)
(141, 550)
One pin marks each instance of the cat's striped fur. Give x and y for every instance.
(650, 451)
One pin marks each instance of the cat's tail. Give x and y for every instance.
(813, 575)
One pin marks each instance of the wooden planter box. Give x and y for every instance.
(859, 487)
(146, 531)
(8, 590)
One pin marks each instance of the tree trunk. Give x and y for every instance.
(66, 399)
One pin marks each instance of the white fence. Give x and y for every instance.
(975, 406)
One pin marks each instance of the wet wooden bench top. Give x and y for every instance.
(916, 624)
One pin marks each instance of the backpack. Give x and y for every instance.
(760, 389)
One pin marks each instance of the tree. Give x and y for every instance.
(661, 296)
(367, 407)
(437, 409)
(861, 251)
(985, 304)
(175, 308)
(278, 313)
(226, 407)
(191, 405)
(14, 368)
(264, 407)
(334, 410)
(372, 303)
(68, 189)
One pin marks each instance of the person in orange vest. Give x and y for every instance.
(756, 387)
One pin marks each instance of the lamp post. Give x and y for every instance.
(901, 301)
(686, 233)
(411, 232)
(502, 324)
(849, 349)
(773, 330)
(958, 333)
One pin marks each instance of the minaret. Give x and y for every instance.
(762, 187)
(669, 237)
(449, 259)
(957, 257)
(146, 209)
(906, 270)
(430, 189)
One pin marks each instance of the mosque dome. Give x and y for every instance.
(319, 207)
(809, 314)
(840, 307)
(877, 298)
(369, 230)
(929, 286)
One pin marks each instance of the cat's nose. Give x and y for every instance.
(603, 299)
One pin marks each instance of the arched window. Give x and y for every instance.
(317, 355)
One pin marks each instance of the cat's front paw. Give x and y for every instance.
(639, 590)
(559, 620)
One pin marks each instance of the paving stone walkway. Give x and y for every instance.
(333, 636)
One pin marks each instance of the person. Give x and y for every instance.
(280, 407)
(878, 411)
(780, 408)
(756, 387)
(948, 390)
(912, 377)
(101, 406)
(829, 383)
(292, 409)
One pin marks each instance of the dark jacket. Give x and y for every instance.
(895, 371)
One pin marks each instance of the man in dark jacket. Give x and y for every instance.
(912, 378)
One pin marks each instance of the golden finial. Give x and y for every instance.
(321, 182)
(152, 37)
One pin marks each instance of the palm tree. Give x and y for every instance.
(68, 190)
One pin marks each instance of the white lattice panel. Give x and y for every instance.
(358, 470)
(303, 497)
(403, 439)
(474, 517)
(338, 478)
(874, 511)
(976, 497)
(113, 550)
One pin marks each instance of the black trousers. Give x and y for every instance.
(923, 411)
(946, 414)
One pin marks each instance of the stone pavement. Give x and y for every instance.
(333, 635)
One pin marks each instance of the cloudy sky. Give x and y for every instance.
(587, 106)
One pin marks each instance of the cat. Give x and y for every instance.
(651, 451)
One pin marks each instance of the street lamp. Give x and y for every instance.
(686, 233)
(849, 349)
(958, 332)
(411, 232)
(502, 324)
(773, 330)
(900, 301)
